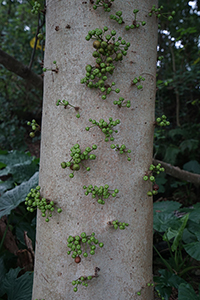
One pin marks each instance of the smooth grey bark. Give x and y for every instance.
(125, 261)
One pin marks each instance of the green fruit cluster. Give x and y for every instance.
(79, 245)
(116, 224)
(108, 49)
(102, 192)
(78, 157)
(34, 200)
(137, 80)
(106, 127)
(117, 17)
(65, 103)
(149, 176)
(35, 127)
(136, 23)
(106, 4)
(121, 101)
(122, 149)
(36, 8)
(158, 13)
(162, 121)
(81, 280)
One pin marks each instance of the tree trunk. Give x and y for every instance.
(125, 261)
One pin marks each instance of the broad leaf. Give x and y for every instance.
(21, 165)
(189, 145)
(186, 292)
(171, 154)
(6, 185)
(188, 237)
(192, 166)
(166, 206)
(194, 228)
(169, 234)
(162, 221)
(193, 249)
(17, 288)
(177, 131)
(15, 157)
(14, 197)
(166, 281)
(194, 212)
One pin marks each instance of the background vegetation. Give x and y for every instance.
(176, 206)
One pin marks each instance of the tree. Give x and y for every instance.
(125, 260)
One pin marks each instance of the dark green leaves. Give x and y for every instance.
(17, 288)
(21, 165)
(11, 199)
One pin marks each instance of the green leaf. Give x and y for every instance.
(15, 157)
(194, 228)
(186, 292)
(14, 197)
(6, 185)
(192, 166)
(193, 249)
(194, 212)
(166, 206)
(166, 281)
(177, 131)
(188, 237)
(171, 154)
(175, 281)
(2, 165)
(178, 237)
(189, 145)
(21, 165)
(162, 221)
(17, 288)
(169, 234)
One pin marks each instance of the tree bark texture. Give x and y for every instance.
(125, 261)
